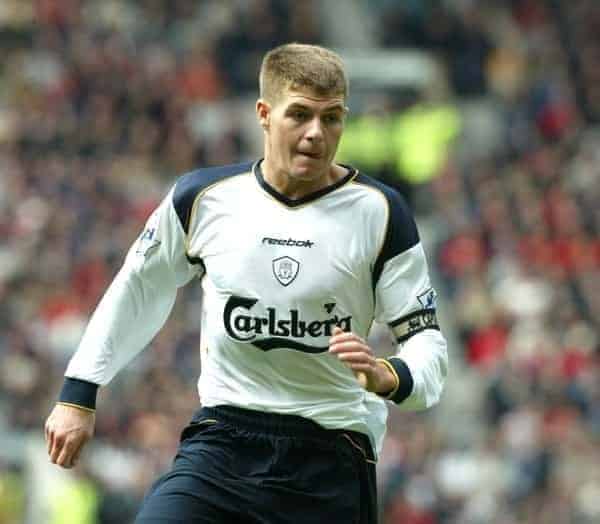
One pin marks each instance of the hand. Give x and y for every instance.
(67, 431)
(358, 356)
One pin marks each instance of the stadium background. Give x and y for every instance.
(483, 113)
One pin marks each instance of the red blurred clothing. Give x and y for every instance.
(200, 80)
(89, 281)
(58, 305)
(402, 512)
(462, 254)
(571, 254)
(487, 345)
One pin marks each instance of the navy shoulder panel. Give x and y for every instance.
(401, 231)
(189, 185)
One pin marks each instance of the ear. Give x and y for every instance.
(263, 112)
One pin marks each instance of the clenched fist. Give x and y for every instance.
(358, 356)
(67, 430)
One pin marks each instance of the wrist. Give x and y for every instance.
(76, 406)
(405, 379)
(388, 381)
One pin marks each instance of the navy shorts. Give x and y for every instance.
(236, 466)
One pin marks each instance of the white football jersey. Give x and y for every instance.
(277, 276)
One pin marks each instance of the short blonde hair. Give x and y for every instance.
(292, 66)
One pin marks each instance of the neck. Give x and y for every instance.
(295, 188)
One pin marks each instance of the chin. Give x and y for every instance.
(307, 172)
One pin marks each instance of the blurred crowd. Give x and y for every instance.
(102, 104)
(519, 257)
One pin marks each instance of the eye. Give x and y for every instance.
(332, 118)
(299, 115)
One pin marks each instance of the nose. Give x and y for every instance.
(314, 131)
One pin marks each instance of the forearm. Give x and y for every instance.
(127, 318)
(421, 364)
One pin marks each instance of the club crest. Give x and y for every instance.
(285, 270)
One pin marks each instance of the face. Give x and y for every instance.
(303, 130)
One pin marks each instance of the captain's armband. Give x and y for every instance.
(413, 323)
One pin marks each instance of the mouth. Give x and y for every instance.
(313, 156)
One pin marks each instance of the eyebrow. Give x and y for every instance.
(298, 105)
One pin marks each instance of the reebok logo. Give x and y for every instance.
(287, 242)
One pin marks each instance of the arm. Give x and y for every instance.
(406, 302)
(414, 376)
(134, 308)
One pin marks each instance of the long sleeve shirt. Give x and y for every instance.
(277, 276)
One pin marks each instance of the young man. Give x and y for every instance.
(297, 256)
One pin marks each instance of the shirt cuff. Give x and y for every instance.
(77, 392)
(405, 380)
